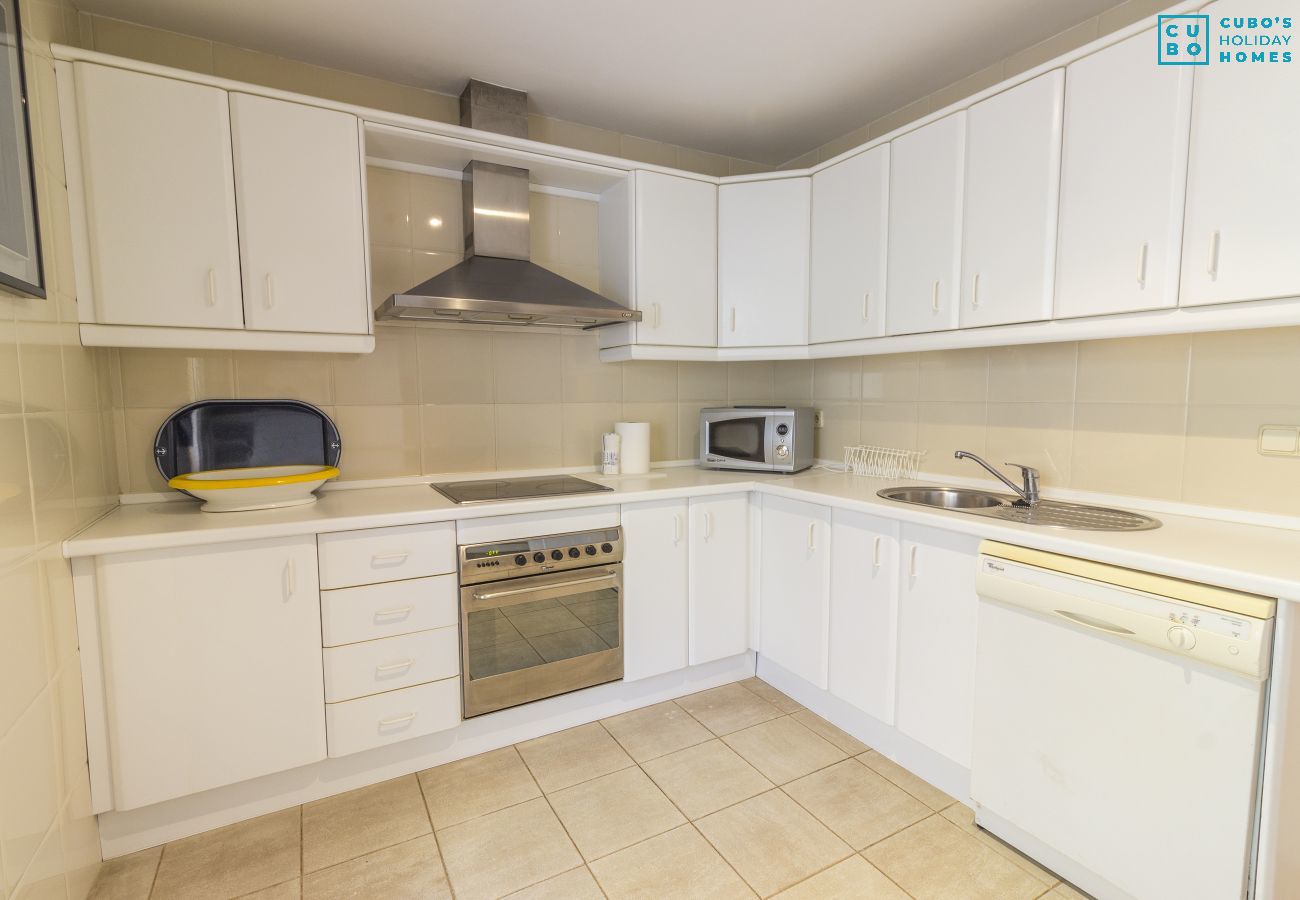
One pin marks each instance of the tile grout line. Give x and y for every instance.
(442, 860)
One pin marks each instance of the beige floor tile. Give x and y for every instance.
(127, 877)
(963, 817)
(233, 860)
(853, 879)
(656, 730)
(784, 750)
(409, 870)
(705, 778)
(772, 841)
(859, 805)
(837, 736)
(569, 757)
(919, 788)
(285, 890)
(936, 860)
(614, 811)
(350, 825)
(729, 708)
(771, 695)
(679, 863)
(506, 850)
(476, 786)
(575, 884)
(1065, 891)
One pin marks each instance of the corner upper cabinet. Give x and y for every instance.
(763, 229)
(1012, 187)
(925, 197)
(850, 222)
(1241, 233)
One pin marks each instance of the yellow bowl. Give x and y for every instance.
(263, 487)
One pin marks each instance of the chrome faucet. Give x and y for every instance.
(1027, 494)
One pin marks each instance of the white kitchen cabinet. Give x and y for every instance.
(212, 665)
(159, 199)
(1241, 230)
(850, 222)
(302, 236)
(676, 235)
(763, 229)
(864, 611)
(925, 227)
(794, 588)
(1012, 187)
(719, 582)
(1123, 175)
(655, 559)
(938, 609)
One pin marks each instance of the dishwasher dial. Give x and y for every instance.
(1182, 637)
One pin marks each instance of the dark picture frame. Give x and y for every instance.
(21, 263)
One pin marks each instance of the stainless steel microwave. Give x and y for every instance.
(757, 438)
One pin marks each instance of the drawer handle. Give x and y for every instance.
(402, 666)
(392, 721)
(393, 558)
(395, 613)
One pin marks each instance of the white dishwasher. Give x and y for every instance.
(1118, 720)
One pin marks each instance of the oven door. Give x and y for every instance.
(736, 441)
(529, 638)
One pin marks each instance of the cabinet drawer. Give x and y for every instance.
(395, 716)
(376, 555)
(350, 615)
(387, 664)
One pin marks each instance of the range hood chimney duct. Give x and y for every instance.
(496, 283)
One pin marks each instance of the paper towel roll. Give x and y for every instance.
(634, 447)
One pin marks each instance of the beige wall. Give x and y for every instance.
(209, 57)
(55, 475)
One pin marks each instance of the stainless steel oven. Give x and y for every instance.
(539, 617)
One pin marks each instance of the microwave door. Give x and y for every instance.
(743, 441)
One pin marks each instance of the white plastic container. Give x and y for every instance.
(609, 455)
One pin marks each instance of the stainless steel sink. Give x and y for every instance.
(1044, 514)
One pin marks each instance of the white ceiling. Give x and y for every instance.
(764, 80)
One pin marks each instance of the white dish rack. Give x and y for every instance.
(882, 462)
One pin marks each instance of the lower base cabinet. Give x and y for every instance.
(937, 623)
(719, 578)
(864, 612)
(794, 593)
(212, 665)
(654, 588)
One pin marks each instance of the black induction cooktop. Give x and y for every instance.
(489, 490)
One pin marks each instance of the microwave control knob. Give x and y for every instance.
(539, 556)
(783, 429)
(1182, 637)
(557, 555)
(521, 560)
(574, 552)
(782, 451)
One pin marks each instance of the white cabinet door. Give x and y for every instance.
(719, 582)
(1012, 185)
(925, 197)
(302, 237)
(763, 262)
(212, 665)
(864, 611)
(160, 200)
(676, 260)
(850, 219)
(654, 588)
(1242, 231)
(937, 616)
(1123, 174)
(794, 591)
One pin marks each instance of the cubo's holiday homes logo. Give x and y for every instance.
(1185, 40)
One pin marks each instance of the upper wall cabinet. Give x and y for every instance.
(171, 204)
(1242, 231)
(676, 260)
(850, 219)
(925, 197)
(763, 262)
(1123, 167)
(1013, 176)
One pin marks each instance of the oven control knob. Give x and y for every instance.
(521, 560)
(539, 557)
(557, 555)
(1182, 637)
(606, 548)
(591, 551)
(574, 552)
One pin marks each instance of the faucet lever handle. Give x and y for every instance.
(1030, 475)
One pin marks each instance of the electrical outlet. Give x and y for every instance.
(819, 418)
(1279, 440)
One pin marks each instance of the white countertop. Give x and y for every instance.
(1255, 558)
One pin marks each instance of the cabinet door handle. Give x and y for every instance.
(1213, 268)
(911, 567)
(812, 537)
(394, 667)
(396, 720)
(975, 292)
(677, 528)
(270, 291)
(394, 612)
(934, 298)
(733, 318)
(290, 579)
(381, 558)
(212, 287)
(875, 555)
(1142, 265)
(708, 524)
(866, 305)
(658, 313)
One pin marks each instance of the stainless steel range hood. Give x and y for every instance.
(496, 283)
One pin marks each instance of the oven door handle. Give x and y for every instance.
(560, 585)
